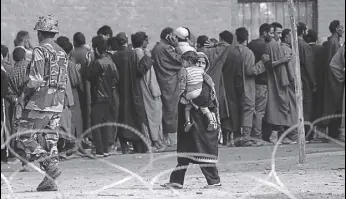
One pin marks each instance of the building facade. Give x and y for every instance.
(317, 14)
(208, 17)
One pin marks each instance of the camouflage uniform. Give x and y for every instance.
(44, 96)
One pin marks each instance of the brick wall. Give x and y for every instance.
(201, 16)
(329, 10)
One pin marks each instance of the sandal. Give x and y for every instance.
(187, 126)
(172, 185)
(218, 185)
(212, 125)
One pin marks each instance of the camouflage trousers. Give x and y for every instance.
(41, 146)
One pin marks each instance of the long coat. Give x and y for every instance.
(4, 86)
(132, 109)
(77, 87)
(66, 115)
(293, 109)
(277, 112)
(332, 45)
(321, 67)
(217, 56)
(167, 65)
(306, 57)
(331, 86)
(233, 86)
(83, 57)
(335, 85)
(152, 101)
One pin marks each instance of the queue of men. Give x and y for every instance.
(114, 81)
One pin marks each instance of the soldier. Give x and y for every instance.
(44, 95)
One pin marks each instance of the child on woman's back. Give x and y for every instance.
(193, 83)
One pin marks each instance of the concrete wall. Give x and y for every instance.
(201, 16)
(329, 10)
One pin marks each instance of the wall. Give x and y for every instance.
(201, 16)
(329, 10)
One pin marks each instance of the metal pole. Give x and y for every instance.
(298, 85)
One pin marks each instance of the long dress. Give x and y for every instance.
(198, 139)
(152, 101)
(198, 146)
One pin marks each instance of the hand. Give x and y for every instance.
(287, 59)
(314, 89)
(172, 40)
(213, 93)
(28, 45)
(147, 53)
(265, 58)
(183, 100)
(209, 44)
(184, 97)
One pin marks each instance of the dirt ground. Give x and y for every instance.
(323, 177)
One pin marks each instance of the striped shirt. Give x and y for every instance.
(194, 75)
(191, 79)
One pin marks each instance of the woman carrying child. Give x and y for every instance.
(199, 145)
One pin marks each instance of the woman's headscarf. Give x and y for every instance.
(202, 55)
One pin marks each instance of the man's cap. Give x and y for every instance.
(182, 33)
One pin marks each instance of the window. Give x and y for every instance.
(253, 13)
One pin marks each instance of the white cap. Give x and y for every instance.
(182, 33)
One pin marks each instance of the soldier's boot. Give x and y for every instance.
(47, 185)
(53, 171)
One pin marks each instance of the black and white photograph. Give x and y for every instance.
(173, 99)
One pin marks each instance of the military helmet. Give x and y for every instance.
(47, 24)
